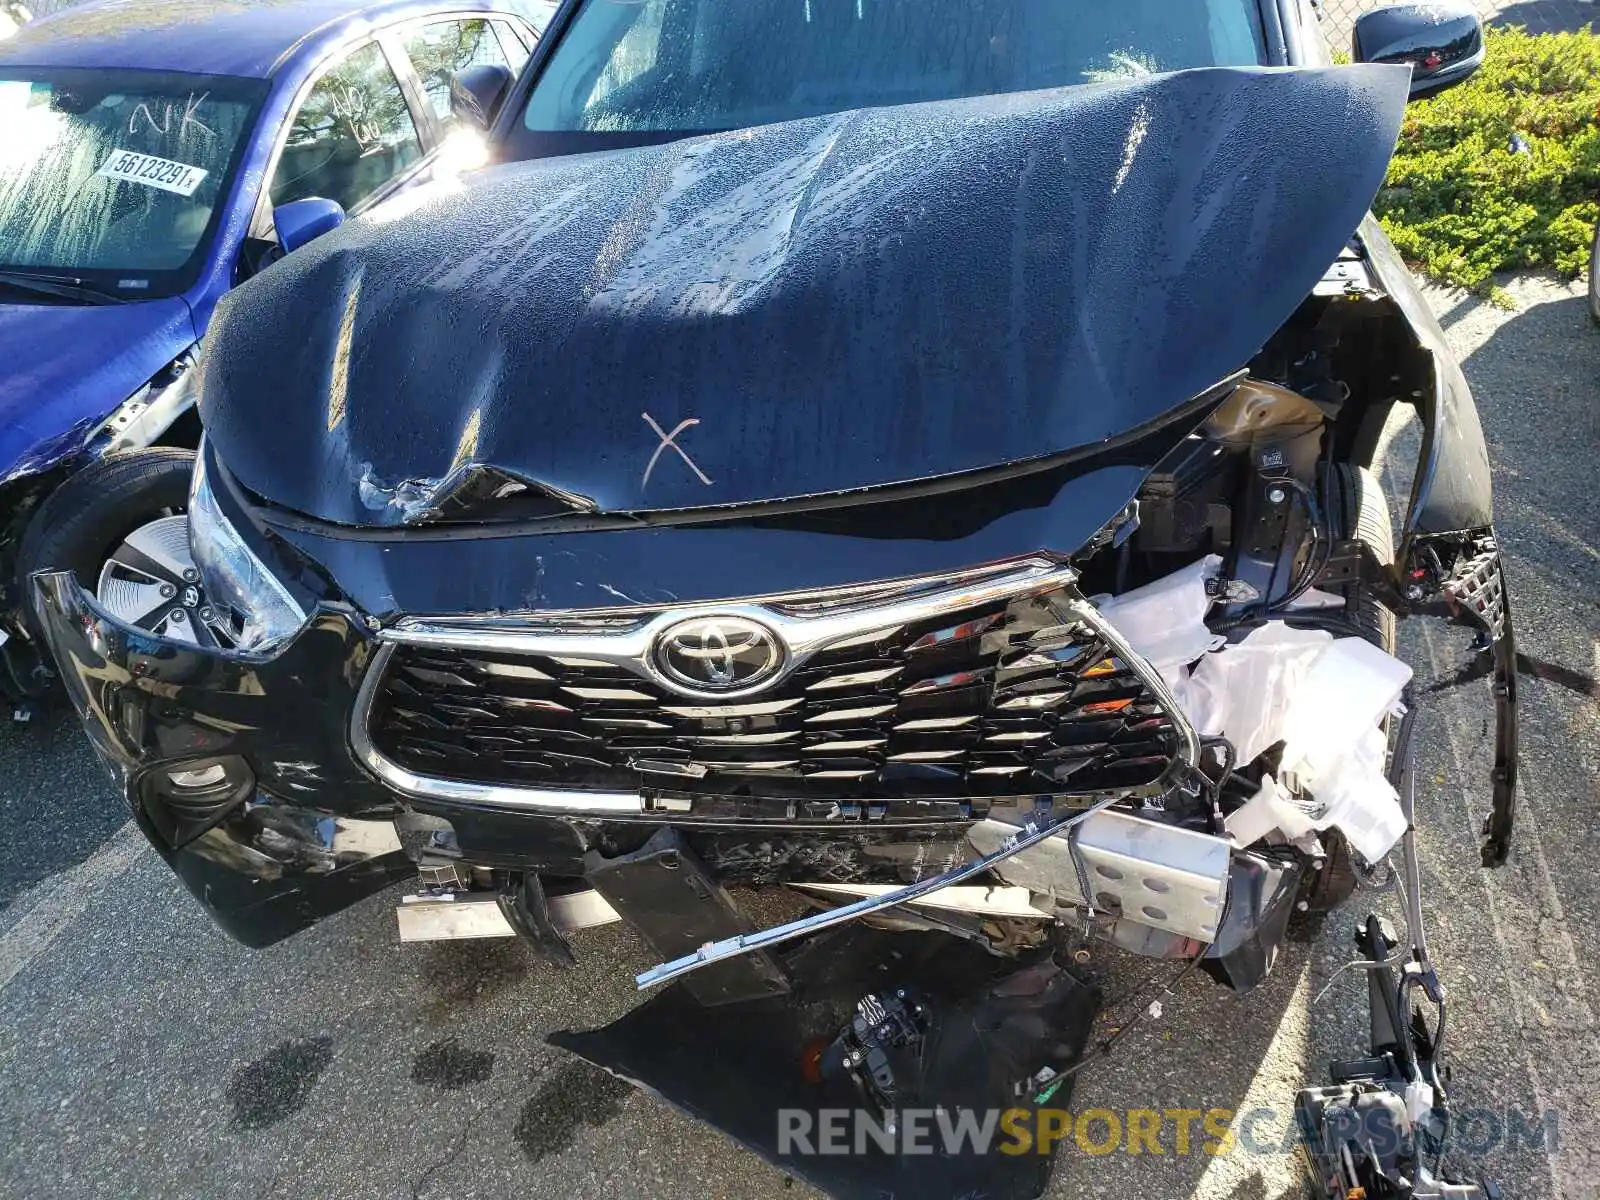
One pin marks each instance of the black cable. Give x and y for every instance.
(1122, 1031)
(1321, 553)
(1230, 758)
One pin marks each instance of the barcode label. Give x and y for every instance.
(179, 178)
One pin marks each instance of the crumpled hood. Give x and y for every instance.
(65, 367)
(832, 303)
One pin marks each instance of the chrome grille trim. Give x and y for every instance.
(804, 630)
(460, 791)
(1036, 577)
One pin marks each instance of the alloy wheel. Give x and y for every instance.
(150, 582)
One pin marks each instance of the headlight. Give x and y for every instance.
(265, 614)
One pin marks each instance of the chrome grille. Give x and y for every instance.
(1005, 697)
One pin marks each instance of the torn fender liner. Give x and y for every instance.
(738, 1067)
(856, 299)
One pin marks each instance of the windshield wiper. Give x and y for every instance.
(66, 287)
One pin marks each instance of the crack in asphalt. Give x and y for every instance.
(449, 1156)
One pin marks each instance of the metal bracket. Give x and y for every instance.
(1352, 561)
(1161, 876)
(450, 916)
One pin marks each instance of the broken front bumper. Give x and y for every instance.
(301, 823)
(291, 829)
(250, 776)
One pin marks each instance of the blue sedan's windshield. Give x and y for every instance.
(651, 66)
(115, 174)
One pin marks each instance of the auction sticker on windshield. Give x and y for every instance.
(151, 171)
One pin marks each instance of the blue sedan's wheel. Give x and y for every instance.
(119, 526)
(150, 582)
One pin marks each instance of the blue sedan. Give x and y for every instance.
(151, 161)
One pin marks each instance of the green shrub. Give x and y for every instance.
(1463, 201)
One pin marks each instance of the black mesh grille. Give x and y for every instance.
(996, 701)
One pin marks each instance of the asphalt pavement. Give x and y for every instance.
(143, 1053)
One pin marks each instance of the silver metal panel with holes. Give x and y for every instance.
(1141, 870)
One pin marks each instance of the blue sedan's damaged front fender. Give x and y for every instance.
(67, 370)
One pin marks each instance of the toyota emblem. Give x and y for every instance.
(718, 654)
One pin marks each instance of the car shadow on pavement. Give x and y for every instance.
(56, 803)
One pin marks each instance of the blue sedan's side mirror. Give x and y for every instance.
(299, 221)
(476, 92)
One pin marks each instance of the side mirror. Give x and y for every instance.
(299, 221)
(1443, 42)
(476, 92)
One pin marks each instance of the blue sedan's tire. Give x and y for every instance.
(130, 500)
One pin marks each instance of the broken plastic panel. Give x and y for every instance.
(1359, 800)
(1350, 687)
(1271, 809)
(1243, 691)
(1166, 620)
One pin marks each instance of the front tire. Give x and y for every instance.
(119, 526)
(1361, 512)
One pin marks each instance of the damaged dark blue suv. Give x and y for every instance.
(914, 455)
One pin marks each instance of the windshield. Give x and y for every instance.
(116, 177)
(656, 66)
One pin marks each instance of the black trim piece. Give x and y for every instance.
(1498, 825)
(423, 121)
(1274, 26)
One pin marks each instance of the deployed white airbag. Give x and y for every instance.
(1324, 698)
